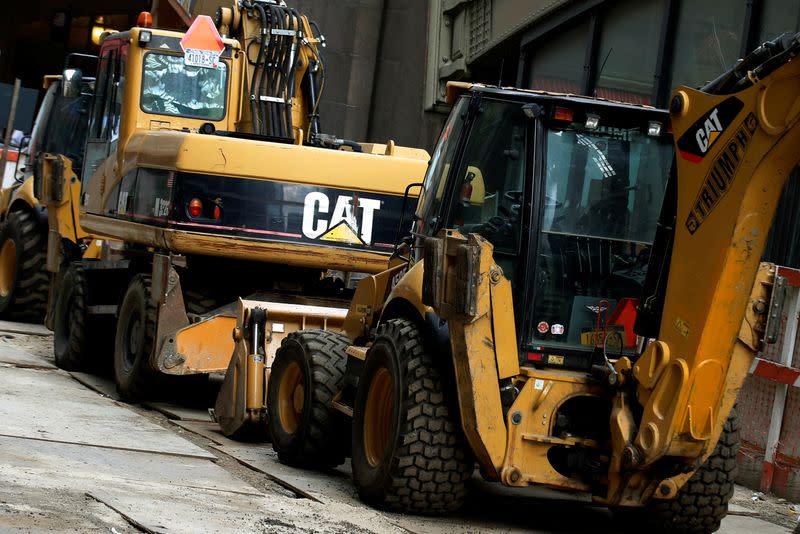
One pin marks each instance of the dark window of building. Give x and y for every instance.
(777, 17)
(708, 40)
(783, 246)
(558, 60)
(626, 60)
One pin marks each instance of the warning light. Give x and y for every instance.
(562, 114)
(145, 20)
(217, 213)
(535, 357)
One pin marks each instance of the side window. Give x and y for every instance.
(107, 109)
(430, 203)
(489, 198)
(108, 99)
(104, 80)
(67, 126)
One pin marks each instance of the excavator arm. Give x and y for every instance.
(736, 143)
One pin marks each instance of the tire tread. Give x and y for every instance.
(431, 464)
(28, 300)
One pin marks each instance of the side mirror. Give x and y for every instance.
(71, 83)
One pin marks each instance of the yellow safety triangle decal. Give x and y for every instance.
(342, 233)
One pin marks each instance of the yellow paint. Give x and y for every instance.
(689, 393)
(175, 145)
(206, 346)
(532, 437)
(505, 332)
(372, 295)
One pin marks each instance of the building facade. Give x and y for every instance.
(631, 50)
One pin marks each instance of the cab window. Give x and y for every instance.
(430, 203)
(106, 114)
(488, 194)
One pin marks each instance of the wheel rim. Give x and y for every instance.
(8, 266)
(377, 417)
(291, 398)
(133, 340)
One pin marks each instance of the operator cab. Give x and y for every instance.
(568, 190)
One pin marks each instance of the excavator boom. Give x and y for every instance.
(735, 147)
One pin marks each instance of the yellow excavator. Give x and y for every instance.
(576, 307)
(207, 164)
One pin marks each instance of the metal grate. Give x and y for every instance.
(480, 25)
(755, 409)
(789, 443)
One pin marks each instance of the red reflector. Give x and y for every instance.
(145, 20)
(562, 114)
(217, 213)
(195, 207)
(535, 357)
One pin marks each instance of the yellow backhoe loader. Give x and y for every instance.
(55, 146)
(576, 308)
(206, 160)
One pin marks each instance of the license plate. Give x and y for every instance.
(207, 59)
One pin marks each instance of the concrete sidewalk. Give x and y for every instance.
(72, 460)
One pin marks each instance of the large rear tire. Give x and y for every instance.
(23, 279)
(133, 343)
(306, 374)
(702, 502)
(409, 454)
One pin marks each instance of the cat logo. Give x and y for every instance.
(708, 133)
(346, 224)
(698, 139)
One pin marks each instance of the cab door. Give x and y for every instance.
(479, 181)
(106, 110)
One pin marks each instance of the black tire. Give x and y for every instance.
(78, 338)
(420, 463)
(315, 361)
(703, 501)
(23, 281)
(133, 344)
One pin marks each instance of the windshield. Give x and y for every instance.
(603, 194)
(170, 87)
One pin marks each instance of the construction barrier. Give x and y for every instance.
(769, 407)
(11, 166)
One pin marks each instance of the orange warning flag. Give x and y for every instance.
(202, 44)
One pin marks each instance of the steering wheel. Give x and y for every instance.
(515, 198)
